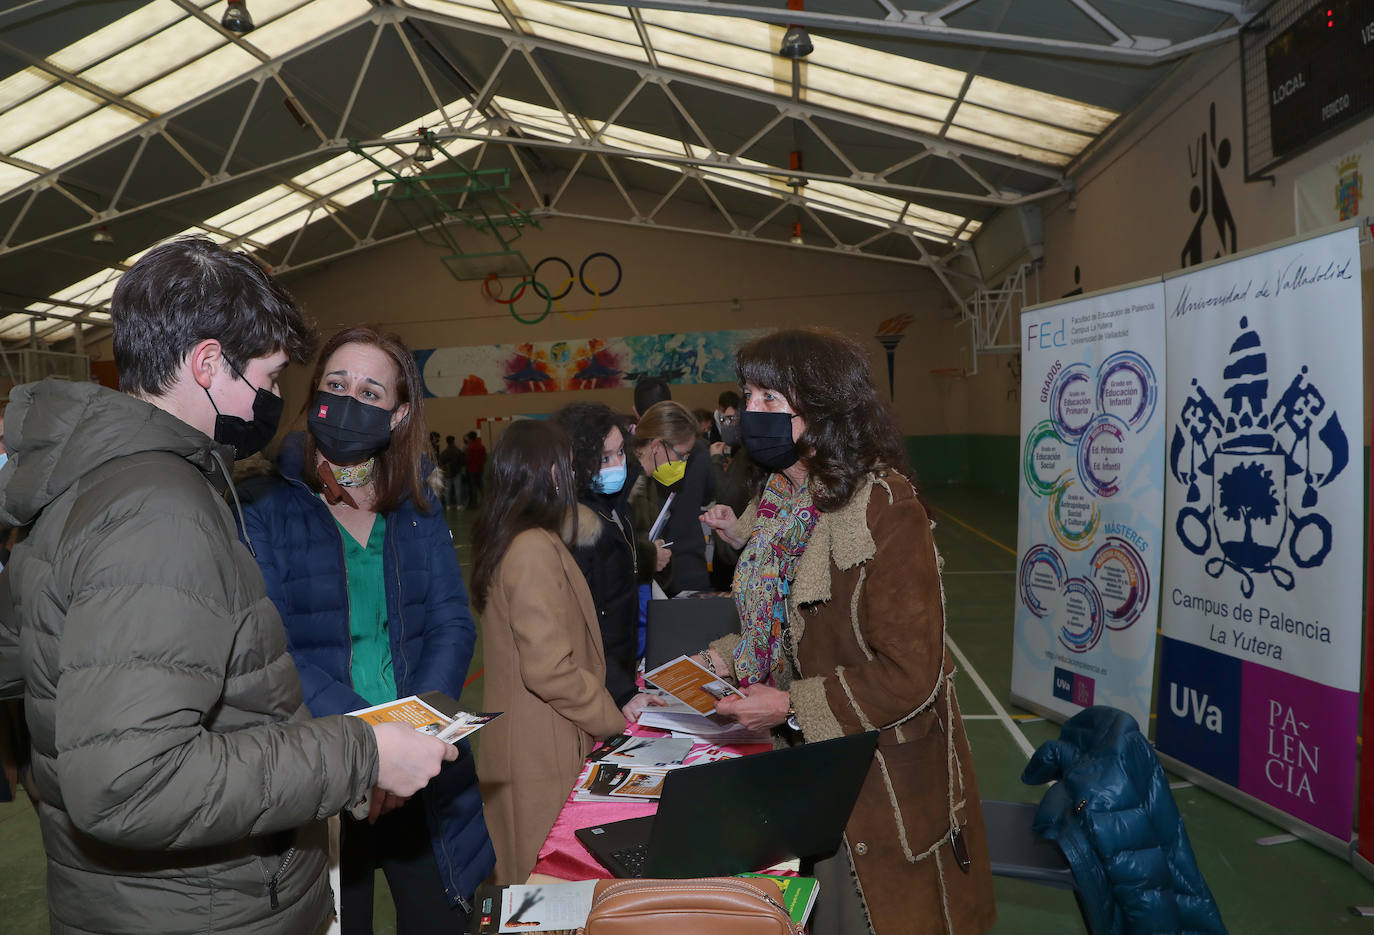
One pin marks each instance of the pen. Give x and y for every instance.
(665, 545)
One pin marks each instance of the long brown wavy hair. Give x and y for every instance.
(827, 378)
(533, 486)
(400, 465)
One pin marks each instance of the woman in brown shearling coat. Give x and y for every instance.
(545, 667)
(842, 617)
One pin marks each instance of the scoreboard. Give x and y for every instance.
(1320, 73)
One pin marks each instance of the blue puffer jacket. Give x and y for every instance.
(300, 550)
(1116, 822)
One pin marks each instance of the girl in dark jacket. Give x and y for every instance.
(361, 565)
(604, 547)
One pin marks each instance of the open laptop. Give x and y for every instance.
(685, 625)
(739, 815)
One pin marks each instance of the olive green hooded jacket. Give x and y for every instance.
(183, 784)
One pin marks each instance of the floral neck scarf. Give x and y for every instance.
(354, 475)
(767, 565)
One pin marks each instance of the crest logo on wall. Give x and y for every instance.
(1349, 187)
(1254, 472)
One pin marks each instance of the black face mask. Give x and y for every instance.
(768, 439)
(348, 431)
(247, 437)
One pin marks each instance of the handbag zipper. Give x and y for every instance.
(721, 884)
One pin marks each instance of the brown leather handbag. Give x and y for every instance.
(709, 906)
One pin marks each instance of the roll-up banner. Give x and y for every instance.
(1263, 549)
(1091, 495)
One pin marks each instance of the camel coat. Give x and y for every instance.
(867, 652)
(546, 670)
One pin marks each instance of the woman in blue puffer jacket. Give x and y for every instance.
(361, 565)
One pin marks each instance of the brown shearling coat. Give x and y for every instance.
(546, 670)
(867, 651)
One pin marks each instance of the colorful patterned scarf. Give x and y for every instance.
(763, 577)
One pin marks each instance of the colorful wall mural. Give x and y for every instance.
(582, 364)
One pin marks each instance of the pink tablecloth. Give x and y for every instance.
(563, 856)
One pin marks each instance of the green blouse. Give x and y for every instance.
(371, 660)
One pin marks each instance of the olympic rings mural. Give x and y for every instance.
(595, 287)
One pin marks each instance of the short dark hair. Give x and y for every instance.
(449, 439)
(191, 290)
(650, 390)
(827, 378)
(589, 424)
(728, 400)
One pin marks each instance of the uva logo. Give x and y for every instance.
(1262, 463)
(1190, 704)
(1063, 684)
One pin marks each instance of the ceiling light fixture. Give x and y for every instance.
(102, 235)
(796, 42)
(236, 18)
(424, 152)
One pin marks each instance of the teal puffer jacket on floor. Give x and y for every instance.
(1113, 816)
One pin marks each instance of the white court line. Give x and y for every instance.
(997, 708)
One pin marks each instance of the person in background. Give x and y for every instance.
(454, 462)
(183, 783)
(725, 422)
(732, 468)
(360, 564)
(705, 422)
(545, 666)
(605, 545)
(475, 462)
(434, 447)
(675, 461)
(649, 391)
(843, 631)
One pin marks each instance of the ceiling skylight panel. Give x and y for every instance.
(23, 85)
(842, 84)
(43, 114)
(247, 225)
(473, 11)
(604, 30)
(329, 167)
(709, 29)
(228, 216)
(874, 112)
(895, 70)
(1037, 105)
(708, 69)
(1020, 130)
(974, 138)
(93, 290)
(11, 177)
(545, 121)
(206, 73)
(154, 57)
(303, 24)
(728, 54)
(81, 137)
(269, 232)
(124, 32)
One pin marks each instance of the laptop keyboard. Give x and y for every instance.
(635, 859)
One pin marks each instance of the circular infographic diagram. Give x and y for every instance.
(1102, 455)
(1126, 388)
(1041, 579)
(1122, 580)
(1047, 459)
(1074, 516)
(1083, 616)
(1072, 400)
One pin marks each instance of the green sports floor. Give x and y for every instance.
(1284, 888)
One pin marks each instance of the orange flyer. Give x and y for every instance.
(691, 683)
